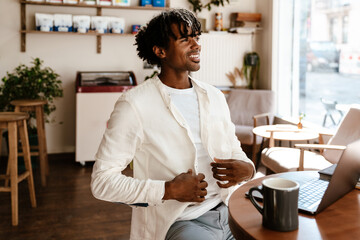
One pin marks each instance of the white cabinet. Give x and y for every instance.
(92, 113)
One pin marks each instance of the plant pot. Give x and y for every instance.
(251, 59)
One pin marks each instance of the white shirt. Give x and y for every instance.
(187, 103)
(146, 128)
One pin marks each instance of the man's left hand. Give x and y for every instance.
(232, 171)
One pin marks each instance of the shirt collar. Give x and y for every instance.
(196, 84)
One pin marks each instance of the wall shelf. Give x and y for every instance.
(99, 8)
(92, 33)
(91, 6)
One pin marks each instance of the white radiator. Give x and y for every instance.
(220, 54)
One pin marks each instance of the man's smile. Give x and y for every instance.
(195, 57)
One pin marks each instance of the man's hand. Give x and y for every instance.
(230, 170)
(186, 187)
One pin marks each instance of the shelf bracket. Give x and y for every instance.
(98, 44)
(98, 37)
(23, 27)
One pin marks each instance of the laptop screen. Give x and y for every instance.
(345, 176)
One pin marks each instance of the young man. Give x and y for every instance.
(178, 133)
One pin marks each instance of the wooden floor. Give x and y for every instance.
(65, 209)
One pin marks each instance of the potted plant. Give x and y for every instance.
(250, 69)
(301, 117)
(197, 5)
(31, 82)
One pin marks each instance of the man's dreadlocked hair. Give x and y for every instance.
(158, 32)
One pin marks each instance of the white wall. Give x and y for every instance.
(69, 54)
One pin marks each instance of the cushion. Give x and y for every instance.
(245, 135)
(280, 159)
(245, 103)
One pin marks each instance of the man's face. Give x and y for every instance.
(183, 53)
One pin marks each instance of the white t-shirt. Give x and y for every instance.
(186, 101)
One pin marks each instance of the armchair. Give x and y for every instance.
(281, 159)
(248, 109)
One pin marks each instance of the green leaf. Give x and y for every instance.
(198, 6)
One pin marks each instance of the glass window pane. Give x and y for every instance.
(329, 65)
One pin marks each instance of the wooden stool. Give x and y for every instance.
(16, 122)
(37, 106)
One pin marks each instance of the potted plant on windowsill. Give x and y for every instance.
(31, 82)
(250, 69)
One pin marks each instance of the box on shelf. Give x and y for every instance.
(158, 3)
(135, 28)
(245, 20)
(54, 1)
(89, 2)
(63, 23)
(116, 25)
(71, 1)
(81, 23)
(146, 3)
(99, 24)
(44, 22)
(104, 2)
(121, 2)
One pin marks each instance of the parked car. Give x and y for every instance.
(322, 56)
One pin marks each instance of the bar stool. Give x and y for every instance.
(16, 123)
(37, 106)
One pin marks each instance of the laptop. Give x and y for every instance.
(316, 194)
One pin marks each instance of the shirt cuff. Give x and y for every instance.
(157, 192)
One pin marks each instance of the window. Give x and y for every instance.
(317, 67)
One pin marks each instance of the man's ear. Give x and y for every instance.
(159, 52)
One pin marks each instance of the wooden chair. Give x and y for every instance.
(16, 123)
(282, 159)
(258, 142)
(37, 106)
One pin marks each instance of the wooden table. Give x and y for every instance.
(341, 220)
(286, 132)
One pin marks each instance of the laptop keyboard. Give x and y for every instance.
(311, 193)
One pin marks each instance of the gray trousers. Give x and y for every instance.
(213, 225)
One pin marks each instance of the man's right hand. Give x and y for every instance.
(186, 187)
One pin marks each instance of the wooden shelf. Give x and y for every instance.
(91, 33)
(93, 6)
(99, 8)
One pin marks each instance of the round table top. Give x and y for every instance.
(341, 220)
(286, 132)
(28, 102)
(12, 116)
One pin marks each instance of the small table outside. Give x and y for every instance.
(341, 220)
(286, 132)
